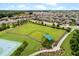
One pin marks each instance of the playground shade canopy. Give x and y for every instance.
(48, 37)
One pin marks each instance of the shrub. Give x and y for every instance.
(47, 44)
(0, 28)
(68, 29)
(3, 26)
(53, 25)
(8, 26)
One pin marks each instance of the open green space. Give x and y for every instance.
(32, 44)
(37, 30)
(38, 35)
(66, 45)
(21, 33)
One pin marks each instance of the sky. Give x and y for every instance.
(39, 1)
(39, 6)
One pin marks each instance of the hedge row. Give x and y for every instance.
(20, 49)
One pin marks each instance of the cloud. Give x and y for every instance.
(52, 4)
(17, 7)
(67, 1)
(12, 6)
(28, 1)
(40, 7)
(39, 1)
(21, 6)
(60, 8)
(36, 7)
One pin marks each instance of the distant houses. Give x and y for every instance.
(53, 17)
(77, 22)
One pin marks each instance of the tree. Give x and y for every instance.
(45, 24)
(68, 29)
(13, 25)
(3, 26)
(63, 28)
(58, 25)
(31, 12)
(18, 23)
(77, 31)
(20, 49)
(73, 20)
(0, 28)
(42, 23)
(8, 26)
(53, 25)
(74, 43)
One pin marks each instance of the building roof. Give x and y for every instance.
(77, 22)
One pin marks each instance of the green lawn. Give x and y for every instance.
(66, 45)
(38, 35)
(36, 31)
(32, 44)
(30, 28)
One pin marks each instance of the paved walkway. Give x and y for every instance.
(59, 43)
(63, 38)
(54, 48)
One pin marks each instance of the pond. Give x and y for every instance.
(7, 47)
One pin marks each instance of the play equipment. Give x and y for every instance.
(48, 37)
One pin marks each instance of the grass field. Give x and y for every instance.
(66, 45)
(36, 31)
(31, 43)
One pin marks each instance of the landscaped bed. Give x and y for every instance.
(22, 33)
